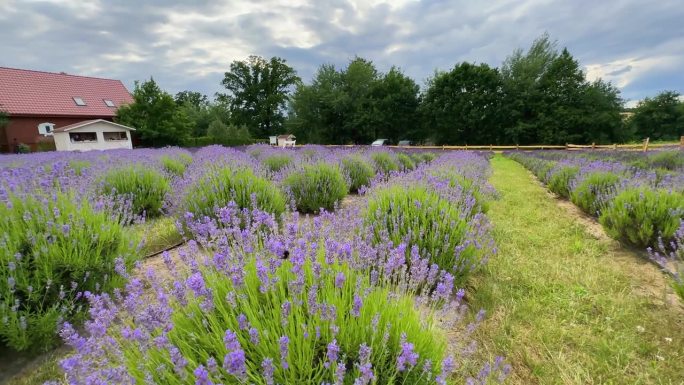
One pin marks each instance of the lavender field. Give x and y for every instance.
(324, 265)
(298, 266)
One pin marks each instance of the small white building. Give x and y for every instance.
(89, 135)
(286, 140)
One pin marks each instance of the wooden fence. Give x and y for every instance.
(645, 146)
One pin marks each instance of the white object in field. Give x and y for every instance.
(273, 140)
(46, 128)
(379, 142)
(288, 143)
(90, 135)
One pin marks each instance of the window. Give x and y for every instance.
(79, 101)
(114, 136)
(79, 137)
(109, 103)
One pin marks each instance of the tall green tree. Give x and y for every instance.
(155, 115)
(258, 90)
(660, 117)
(395, 104)
(465, 104)
(521, 73)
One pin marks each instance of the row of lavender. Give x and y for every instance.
(260, 294)
(637, 197)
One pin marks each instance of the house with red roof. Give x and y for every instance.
(39, 103)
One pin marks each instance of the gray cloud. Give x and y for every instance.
(189, 45)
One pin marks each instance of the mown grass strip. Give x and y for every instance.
(567, 308)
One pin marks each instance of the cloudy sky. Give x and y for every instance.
(637, 45)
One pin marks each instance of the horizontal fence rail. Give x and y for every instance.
(645, 146)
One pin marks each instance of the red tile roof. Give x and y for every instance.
(32, 93)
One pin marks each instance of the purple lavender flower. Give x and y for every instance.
(284, 343)
(268, 369)
(202, 376)
(234, 363)
(333, 352)
(230, 340)
(407, 357)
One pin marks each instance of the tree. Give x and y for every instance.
(155, 115)
(192, 98)
(395, 102)
(464, 105)
(228, 134)
(198, 110)
(258, 91)
(4, 119)
(660, 117)
(521, 74)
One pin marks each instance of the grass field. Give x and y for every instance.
(566, 307)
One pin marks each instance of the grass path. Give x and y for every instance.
(566, 306)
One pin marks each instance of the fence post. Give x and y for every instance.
(681, 143)
(646, 144)
(490, 146)
(567, 146)
(443, 148)
(466, 147)
(593, 145)
(517, 147)
(614, 146)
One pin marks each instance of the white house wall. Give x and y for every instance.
(63, 141)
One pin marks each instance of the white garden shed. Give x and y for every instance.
(89, 135)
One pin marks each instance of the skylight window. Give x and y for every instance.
(79, 101)
(109, 103)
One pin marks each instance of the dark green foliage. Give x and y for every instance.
(222, 185)
(146, 187)
(359, 170)
(228, 134)
(464, 105)
(23, 148)
(640, 216)
(277, 162)
(317, 186)
(48, 243)
(406, 162)
(355, 106)
(428, 156)
(4, 119)
(384, 162)
(661, 117)
(417, 216)
(591, 194)
(155, 115)
(257, 92)
(559, 182)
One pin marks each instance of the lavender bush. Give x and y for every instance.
(670, 257)
(317, 186)
(145, 187)
(54, 248)
(360, 171)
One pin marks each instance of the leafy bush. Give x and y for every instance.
(144, 186)
(359, 170)
(222, 185)
(590, 194)
(317, 186)
(428, 156)
(270, 336)
(22, 148)
(384, 162)
(669, 255)
(177, 165)
(277, 162)
(417, 216)
(669, 160)
(640, 216)
(559, 182)
(54, 248)
(406, 162)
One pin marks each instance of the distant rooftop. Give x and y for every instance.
(33, 93)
